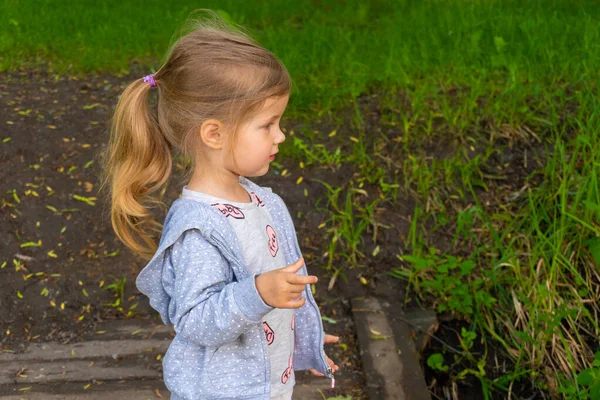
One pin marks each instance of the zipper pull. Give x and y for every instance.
(332, 381)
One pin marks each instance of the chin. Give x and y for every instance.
(262, 172)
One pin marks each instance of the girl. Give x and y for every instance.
(227, 272)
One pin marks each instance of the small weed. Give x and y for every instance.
(348, 220)
(586, 384)
(450, 280)
(436, 362)
(118, 290)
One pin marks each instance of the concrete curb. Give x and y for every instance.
(389, 356)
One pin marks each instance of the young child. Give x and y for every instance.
(228, 272)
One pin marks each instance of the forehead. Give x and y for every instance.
(273, 106)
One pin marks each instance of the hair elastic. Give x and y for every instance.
(150, 80)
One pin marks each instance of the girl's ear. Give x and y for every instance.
(212, 134)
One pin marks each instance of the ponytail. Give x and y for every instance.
(136, 165)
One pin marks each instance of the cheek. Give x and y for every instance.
(243, 146)
(261, 144)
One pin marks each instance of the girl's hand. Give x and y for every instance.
(282, 288)
(334, 368)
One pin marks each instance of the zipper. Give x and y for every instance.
(322, 332)
(321, 339)
(332, 379)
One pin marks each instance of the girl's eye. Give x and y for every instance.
(268, 125)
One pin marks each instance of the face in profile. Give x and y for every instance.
(258, 139)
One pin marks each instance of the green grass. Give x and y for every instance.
(522, 266)
(334, 50)
(487, 120)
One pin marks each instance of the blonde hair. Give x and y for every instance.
(214, 71)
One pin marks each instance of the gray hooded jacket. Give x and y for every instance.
(197, 280)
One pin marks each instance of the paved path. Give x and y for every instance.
(124, 364)
(123, 361)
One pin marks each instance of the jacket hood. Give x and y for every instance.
(154, 280)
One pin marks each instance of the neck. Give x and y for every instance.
(218, 183)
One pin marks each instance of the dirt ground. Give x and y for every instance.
(59, 254)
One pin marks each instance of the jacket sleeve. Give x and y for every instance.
(207, 308)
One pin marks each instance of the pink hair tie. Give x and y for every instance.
(150, 80)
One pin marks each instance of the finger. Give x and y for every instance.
(296, 303)
(293, 287)
(295, 295)
(315, 373)
(301, 279)
(295, 267)
(332, 365)
(331, 338)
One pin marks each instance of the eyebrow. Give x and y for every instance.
(273, 118)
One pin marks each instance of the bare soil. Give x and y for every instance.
(59, 253)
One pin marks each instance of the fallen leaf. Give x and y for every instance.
(113, 253)
(90, 106)
(89, 200)
(32, 244)
(374, 332)
(329, 320)
(376, 250)
(23, 257)
(381, 337)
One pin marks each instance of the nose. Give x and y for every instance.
(279, 136)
